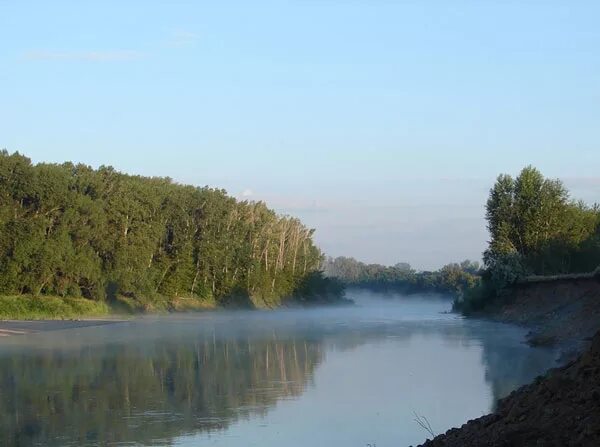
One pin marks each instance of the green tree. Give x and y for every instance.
(533, 217)
(71, 230)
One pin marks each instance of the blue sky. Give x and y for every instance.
(381, 124)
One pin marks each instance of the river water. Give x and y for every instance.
(340, 376)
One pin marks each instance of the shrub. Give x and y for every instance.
(474, 298)
(506, 269)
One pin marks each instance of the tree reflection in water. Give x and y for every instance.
(151, 382)
(146, 392)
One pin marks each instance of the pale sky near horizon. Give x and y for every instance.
(381, 124)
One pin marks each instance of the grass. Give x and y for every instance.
(27, 307)
(50, 308)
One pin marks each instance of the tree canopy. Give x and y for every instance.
(533, 218)
(535, 229)
(451, 279)
(70, 230)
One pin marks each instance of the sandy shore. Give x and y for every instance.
(22, 327)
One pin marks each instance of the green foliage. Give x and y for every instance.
(474, 298)
(316, 287)
(72, 231)
(535, 229)
(451, 279)
(48, 307)
(533, 217)
(506, 269)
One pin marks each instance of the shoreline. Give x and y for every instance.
(10, 328)
(562, 313)
(559, 402)
(560, 407)
(52, 322)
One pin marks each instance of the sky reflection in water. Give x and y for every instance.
(337, 376)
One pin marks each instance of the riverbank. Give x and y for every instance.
(50, 308)
(30, 308)
(559, 409)
(561, 311)
(24, 327)
(60, 308)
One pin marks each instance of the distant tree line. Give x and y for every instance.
(70, 230)
(451, 279)
(535, 229)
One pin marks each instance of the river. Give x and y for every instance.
(340, 376)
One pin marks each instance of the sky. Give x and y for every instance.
(381, 124)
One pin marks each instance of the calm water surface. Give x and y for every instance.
(347, 376)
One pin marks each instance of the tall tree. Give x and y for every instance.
(71, 230)
(533, 218)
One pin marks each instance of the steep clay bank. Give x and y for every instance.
(562, 310)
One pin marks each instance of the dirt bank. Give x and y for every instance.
(558, 310)
(560, 409)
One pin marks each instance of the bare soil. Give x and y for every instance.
(564, 312)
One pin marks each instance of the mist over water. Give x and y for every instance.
(292, 377)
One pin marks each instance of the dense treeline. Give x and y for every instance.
(535, 229)
(451, 279)
(70, 230)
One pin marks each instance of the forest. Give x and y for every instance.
(69, 230)
(452, 279)
(535, 229)
(107, 238)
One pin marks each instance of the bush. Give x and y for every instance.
(316, 287)
(506, 269)
(503, 271)
(474, 298)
